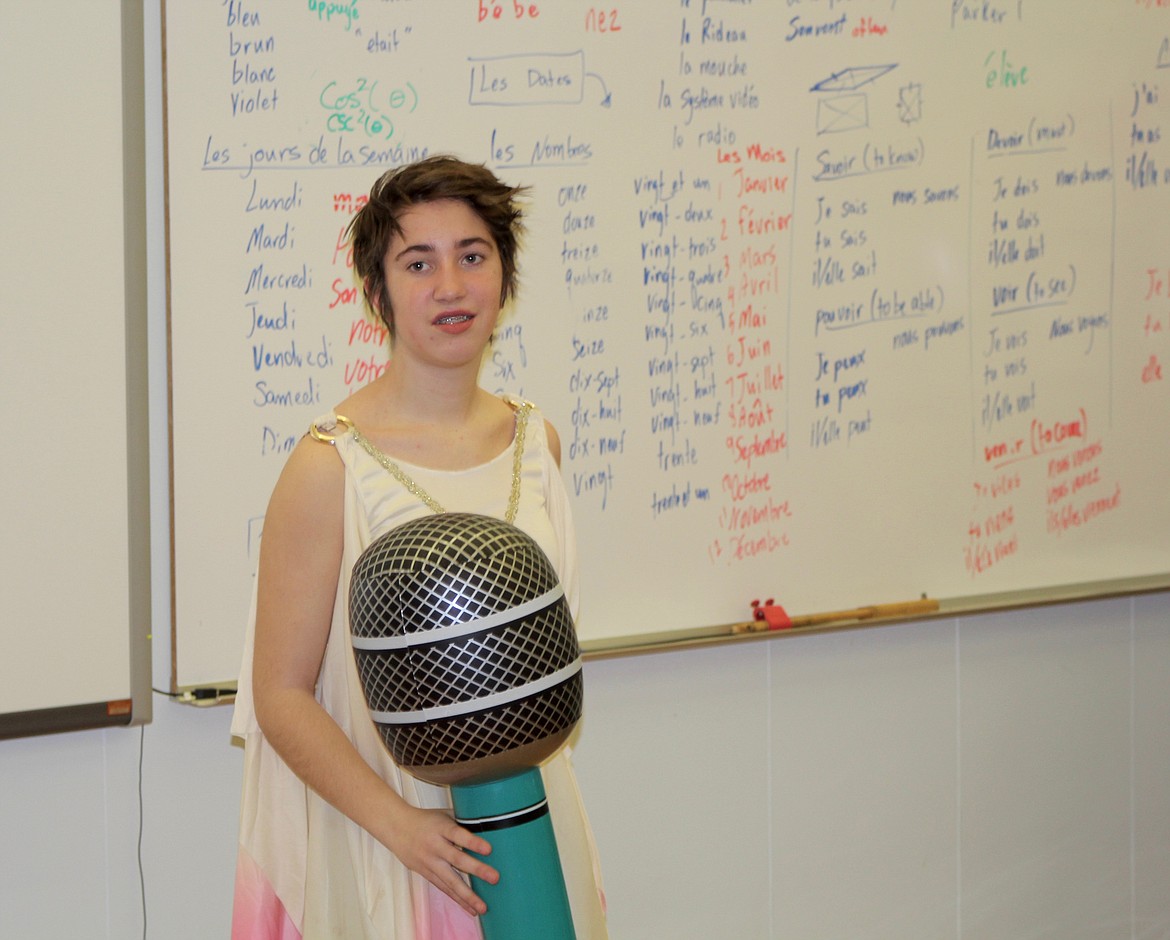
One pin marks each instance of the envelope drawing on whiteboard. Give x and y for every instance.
(842, 113)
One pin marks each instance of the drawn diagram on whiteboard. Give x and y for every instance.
(910, 103)
(533, 78)
(1164, 54)
(848, 108)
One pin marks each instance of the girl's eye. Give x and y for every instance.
(473, 258)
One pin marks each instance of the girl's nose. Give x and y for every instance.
(450, 281)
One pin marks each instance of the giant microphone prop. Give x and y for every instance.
(472, 673)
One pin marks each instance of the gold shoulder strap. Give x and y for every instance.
(328, 433)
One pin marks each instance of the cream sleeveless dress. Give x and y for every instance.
(305, 871)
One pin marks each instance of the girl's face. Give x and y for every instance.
(444, 280)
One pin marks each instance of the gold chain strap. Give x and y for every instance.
(417, 491)
(517, 460)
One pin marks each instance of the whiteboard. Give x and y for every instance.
(837, 303)
(75, 557)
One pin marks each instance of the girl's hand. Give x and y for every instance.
(431, 843)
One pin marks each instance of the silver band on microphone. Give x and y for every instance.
(455, 709)
(458, 630)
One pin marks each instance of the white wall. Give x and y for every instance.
(998, 776)
(1002, 776)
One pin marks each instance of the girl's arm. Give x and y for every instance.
(300, 558)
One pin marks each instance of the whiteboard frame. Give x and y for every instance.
(136, 709)
(666, 640)
(654, 639)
